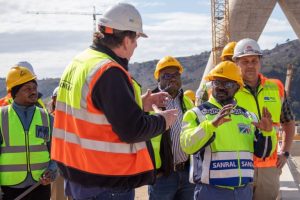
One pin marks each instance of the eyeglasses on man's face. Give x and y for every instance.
(168, 76)
(225, 84)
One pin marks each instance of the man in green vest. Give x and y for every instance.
(25, 134)
(223, 137)
(259, 92)
(172, 164)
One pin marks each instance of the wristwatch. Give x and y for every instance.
(286, 154)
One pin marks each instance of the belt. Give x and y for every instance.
(181, 166)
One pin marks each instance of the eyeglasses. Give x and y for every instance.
(225, 84)
(168, 76)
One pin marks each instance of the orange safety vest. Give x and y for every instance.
(270, 95)
(7, 100)
(84, 144)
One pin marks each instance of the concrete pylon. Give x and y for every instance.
(247, 19)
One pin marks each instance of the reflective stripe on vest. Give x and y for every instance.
(270, 95)
(23, 152)
(82, 132)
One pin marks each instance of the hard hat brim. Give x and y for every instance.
(247, 54)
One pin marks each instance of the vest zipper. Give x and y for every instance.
(256, 101)
(27, 152)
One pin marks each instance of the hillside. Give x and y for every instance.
(274, 65)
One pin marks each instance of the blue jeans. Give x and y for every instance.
(109, 195)
(176, 186)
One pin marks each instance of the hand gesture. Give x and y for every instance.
(169, 115)
(160, 99)
(220, 118)
(266, 123)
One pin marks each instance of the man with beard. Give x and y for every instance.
(259, 92)
(223, 137)
(172, 163)
(25, 140)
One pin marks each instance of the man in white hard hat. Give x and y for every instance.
(259, 92)
(101, 127)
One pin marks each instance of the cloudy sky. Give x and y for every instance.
(49, 41)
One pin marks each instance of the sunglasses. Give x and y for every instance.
(225, 84)
(168, 76)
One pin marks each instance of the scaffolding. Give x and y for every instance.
(220, 27)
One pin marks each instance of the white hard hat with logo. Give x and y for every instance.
(246, 47)
(124, 17)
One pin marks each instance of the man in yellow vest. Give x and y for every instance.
(259, 92)
(223, 137)
(172, 164)
(8, 98)
(25, 140)
(101, 137)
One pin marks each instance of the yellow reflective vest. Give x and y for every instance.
(23, 152)
(223, 156)
(270, 94)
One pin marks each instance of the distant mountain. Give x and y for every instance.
(274, 65)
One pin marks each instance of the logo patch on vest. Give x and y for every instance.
(269, 99)
(42, 132)
(244, 128)
(223, 164)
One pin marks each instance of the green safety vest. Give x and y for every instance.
(23, 152)
(156, 141)
(270, 94)
(228, 154)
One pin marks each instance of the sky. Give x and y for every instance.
(50, 41)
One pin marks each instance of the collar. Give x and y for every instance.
(24, 108)
(261, 82)
(101, 48)
(261, 79)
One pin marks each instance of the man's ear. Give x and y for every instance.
(125, 42)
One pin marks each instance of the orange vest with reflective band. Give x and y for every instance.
(84, 144)
(7, 100)
(270, 94)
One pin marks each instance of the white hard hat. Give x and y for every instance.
(124, 17)
(26, 65)
(246, 47)
(54, 94)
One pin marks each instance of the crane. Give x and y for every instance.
(94, 14)
(220, 27)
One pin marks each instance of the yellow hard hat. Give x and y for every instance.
(226, 69)
(228, 50)
(190, 94)
(17, 76)
(167, 61)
